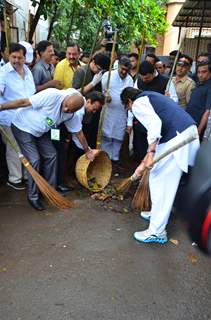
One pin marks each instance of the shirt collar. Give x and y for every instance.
(182, 79)
(208, 82)
(47, 66)
(11, 69)
(79, 64)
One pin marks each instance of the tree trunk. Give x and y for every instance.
(71, 23)
(52, 22)
(35, 20)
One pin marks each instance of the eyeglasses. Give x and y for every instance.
(183, 64)
(98, 67)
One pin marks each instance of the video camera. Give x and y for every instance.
(108, 32)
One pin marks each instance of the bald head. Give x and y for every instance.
(73, 103)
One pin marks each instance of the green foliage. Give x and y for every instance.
(78, 20)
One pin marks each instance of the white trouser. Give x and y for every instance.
(13, 162)
(163, 181)
(111, 146)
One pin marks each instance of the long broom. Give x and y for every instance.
(124, 186)
(54, 197)
(142, 199)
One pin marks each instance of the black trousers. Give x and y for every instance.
(62, 149)
(140, 144)
(42, 156)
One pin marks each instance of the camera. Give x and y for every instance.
(109, 32)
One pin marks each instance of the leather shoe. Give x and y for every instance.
(36, 204)
(63, 189)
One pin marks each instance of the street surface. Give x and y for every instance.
(83, 264)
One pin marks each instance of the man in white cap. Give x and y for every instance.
(29, 52)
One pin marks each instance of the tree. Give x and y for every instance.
(78, 20)
(44, 7)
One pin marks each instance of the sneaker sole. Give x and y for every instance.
(14, 187)
(152, 240)
(145, 218)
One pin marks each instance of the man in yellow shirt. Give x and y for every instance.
(65, 69)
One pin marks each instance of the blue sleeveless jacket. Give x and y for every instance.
(174, 119)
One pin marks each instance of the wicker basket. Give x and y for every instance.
(100, 169)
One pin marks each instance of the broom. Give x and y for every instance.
(124, 186)
(141, 199)
(48, 191)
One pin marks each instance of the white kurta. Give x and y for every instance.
(165, 175)
(115, 118)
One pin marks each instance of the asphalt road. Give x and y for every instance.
(84, 264)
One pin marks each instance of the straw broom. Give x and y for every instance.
(54, 197)
(141, 199)
(124, 186)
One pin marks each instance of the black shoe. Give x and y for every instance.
(36, 204)
(16, 186)
(63, 189)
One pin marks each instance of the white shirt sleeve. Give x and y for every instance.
(144, 112)
(2, 82)
(74, 124)
(130, 117)
(104, 81)
(136, 84)
(172, 92)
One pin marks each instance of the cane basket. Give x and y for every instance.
(100, 169)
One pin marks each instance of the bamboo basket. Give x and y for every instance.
(100, 169)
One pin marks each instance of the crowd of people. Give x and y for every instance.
(50, 106)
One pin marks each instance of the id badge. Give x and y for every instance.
(55, 134)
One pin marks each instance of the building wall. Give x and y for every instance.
(190, 46)
(171, 36)
(22, 21)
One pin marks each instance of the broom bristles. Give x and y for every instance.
(54, 197)
(141, 199)
(123, 186)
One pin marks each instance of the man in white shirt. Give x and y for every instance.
(115, 118)
(167, 124)
(44, 112)
(16, 82)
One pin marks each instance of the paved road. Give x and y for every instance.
(84, 264)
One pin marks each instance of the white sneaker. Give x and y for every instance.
(146, 215)
(146, 236)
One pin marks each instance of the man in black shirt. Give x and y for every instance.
(200, 101)
(150, 79)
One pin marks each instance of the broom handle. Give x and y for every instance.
(175, 62)
(24, 161)
(11, 142)
(174, 148)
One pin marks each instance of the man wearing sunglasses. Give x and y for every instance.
(184, 85)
